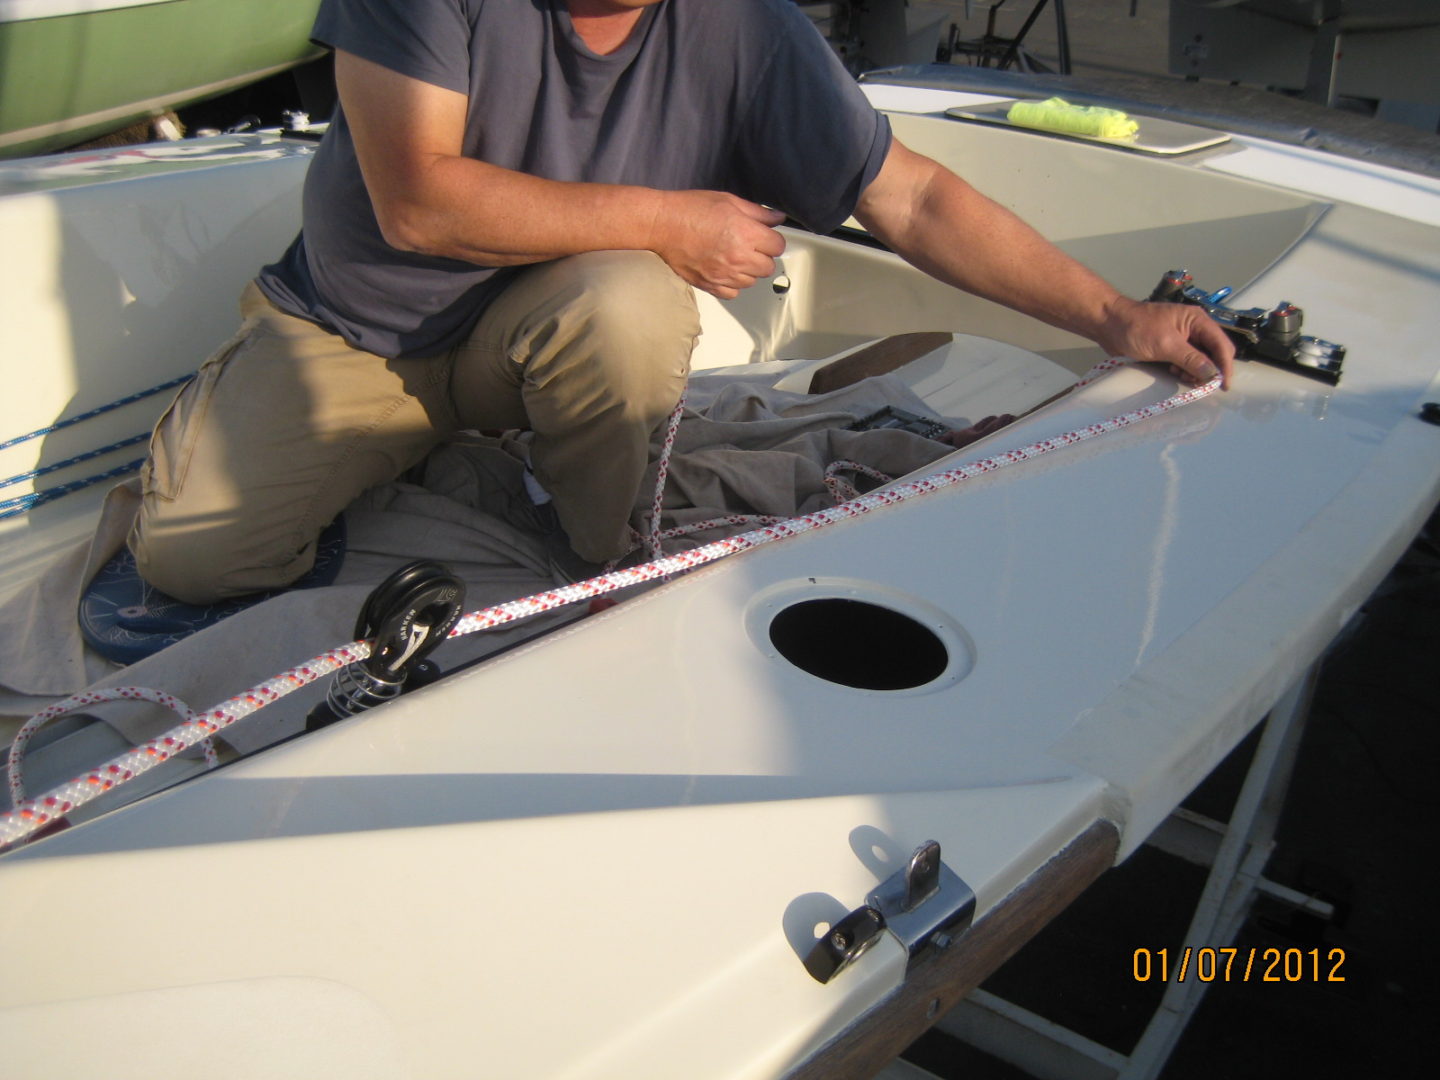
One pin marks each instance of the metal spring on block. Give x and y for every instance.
(354, 689)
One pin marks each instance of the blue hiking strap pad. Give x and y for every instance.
(125, 620)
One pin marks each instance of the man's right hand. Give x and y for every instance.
(717, 242)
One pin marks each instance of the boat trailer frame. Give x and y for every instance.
(1236, 852)
(942, 991)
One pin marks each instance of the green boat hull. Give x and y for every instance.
(68, 78)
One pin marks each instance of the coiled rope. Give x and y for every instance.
(31, 815)
(161, 750)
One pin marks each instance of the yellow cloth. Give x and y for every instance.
(1058, 114)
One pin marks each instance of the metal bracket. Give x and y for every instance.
(844, 943)
(925, 905)
(1272, 337)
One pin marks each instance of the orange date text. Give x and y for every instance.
(1271, 965)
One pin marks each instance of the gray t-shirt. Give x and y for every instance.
(729, 95)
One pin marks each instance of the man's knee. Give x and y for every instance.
(629, 323)
(630, 298)
(632, 294)
(172, 570)
(175, 567)
(204, 565)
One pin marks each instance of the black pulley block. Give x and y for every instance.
(405, 618)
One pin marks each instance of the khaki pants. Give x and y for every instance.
(286, 423)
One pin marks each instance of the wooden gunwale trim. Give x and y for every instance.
(938, 982)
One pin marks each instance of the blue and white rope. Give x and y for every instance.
(99, 410)
(20, 504)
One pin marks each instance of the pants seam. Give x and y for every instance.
(307, 525)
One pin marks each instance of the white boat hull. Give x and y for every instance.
(603, 854)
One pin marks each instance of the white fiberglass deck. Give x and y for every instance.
(632, 827)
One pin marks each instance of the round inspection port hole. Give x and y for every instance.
(858, 644)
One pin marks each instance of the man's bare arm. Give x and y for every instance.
(945, 227)
(428, 198)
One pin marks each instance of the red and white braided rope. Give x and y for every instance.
(662, 470)
(738, 520)
(32, 815)
(840, 490)
(15, 771)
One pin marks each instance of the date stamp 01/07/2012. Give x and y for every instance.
(1228, 964)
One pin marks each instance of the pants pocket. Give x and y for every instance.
(172, 443)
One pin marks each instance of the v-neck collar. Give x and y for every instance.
(625, 53)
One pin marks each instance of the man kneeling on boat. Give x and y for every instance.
(501, 230)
